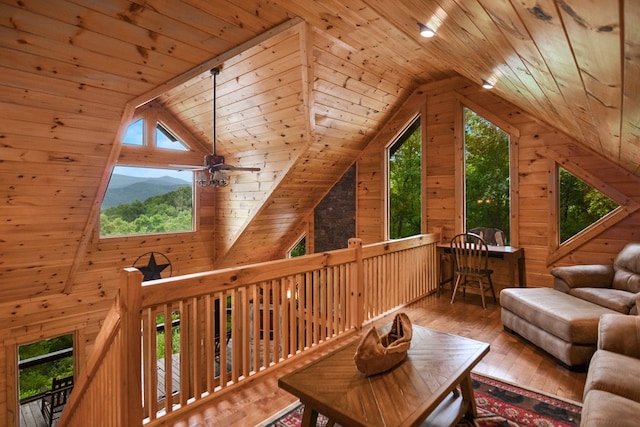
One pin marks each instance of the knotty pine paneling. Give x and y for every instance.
(535, 137)
(334, 81)
(370, 203)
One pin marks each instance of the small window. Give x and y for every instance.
(166, 140)
(580, 205)
(135, 133)
(147, 200)
(41, 362)
(299, 249)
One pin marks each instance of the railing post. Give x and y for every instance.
(131, 368)
(357, 281)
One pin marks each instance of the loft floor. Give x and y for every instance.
(510, 359)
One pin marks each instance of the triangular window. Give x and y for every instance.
(163, 137)
(166, 140)
(299, 249)
(580, 205)
(135, 133)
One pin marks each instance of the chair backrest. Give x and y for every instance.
(470, 253)
(60, 391)
(626, 267)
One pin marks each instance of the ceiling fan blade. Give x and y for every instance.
(226, 167)
(189, 167)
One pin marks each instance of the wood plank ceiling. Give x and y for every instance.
(301, 105)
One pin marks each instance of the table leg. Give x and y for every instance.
(521, 272)
(309, 416)
(512, 271)
(440, 270)
(466, 386)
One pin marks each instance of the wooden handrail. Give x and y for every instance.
(277, 311)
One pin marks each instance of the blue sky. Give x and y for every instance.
(135, 135)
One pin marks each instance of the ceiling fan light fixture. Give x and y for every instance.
(216, 179)
(425, 31)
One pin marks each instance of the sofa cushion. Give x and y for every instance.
(620, 334)
(601, 408)
(569, 318)
(627, 268)
(614, 299)
(614, 373)
(570, 354)
(579, 276)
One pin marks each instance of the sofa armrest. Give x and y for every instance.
(634, 304)
(582, 276)
(619, 333)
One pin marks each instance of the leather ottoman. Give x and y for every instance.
(564, 326)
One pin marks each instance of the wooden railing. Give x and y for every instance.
(222, 327)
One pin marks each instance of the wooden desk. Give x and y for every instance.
(514, 256)
(423, 387)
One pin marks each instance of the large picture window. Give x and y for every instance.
(487, 181)
(405, 159)
(147, 200)
(147, 196)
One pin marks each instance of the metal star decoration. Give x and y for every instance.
(152, 270)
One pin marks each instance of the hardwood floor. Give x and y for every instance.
(510, 359)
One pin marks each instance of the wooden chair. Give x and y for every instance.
(55, 400)
(470, 265)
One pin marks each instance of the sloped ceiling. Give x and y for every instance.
(300, 104)
(568, 63)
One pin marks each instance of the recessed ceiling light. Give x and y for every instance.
(487, 85)
(425, 31)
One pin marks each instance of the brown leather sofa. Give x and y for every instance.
(612, 389)
(616, 287)
(564, 320)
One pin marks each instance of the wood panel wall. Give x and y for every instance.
(47, 315)
(538, 148)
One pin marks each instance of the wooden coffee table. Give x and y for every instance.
(422, 390)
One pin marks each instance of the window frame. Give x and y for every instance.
(296, 243)
(148, 155)
(459, 161)
(557, 249)
(420, 116)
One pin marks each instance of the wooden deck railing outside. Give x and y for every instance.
(236, 323)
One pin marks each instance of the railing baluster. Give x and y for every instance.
(304, 302)
(257, 307)
(209, 342)
(183, 341)
(168, 360)
(196, 347)
(276, 323)
(224, 330)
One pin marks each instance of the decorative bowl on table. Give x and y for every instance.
(379, 353)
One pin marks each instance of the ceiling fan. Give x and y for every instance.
(213, 172)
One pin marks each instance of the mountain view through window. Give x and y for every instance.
(146, 200)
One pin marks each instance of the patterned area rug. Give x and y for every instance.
(499, 404)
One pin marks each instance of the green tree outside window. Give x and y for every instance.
(580, 205)
(487, 185)
(405, 183)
